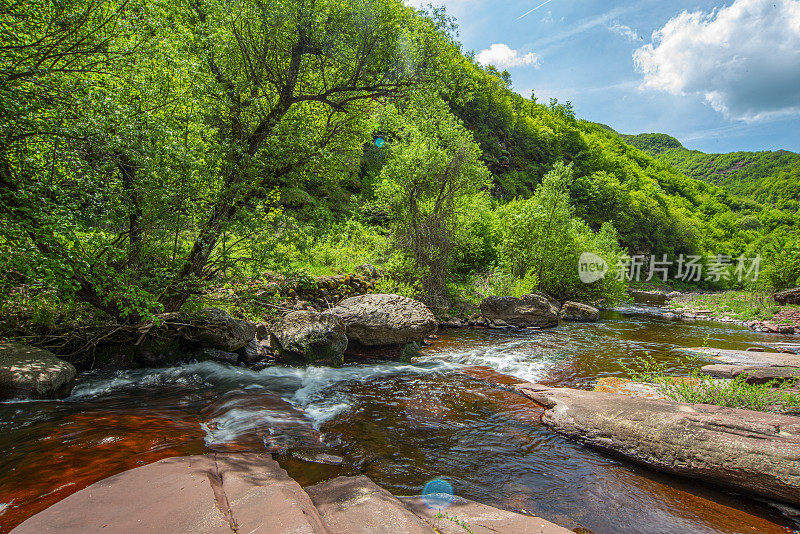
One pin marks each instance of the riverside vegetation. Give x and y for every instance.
(155, 154)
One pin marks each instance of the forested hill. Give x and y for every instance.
(152, 151)
(770, 177)
(654, 207)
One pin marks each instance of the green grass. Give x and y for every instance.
(741, 305)
(454, 519)
(773, 396)
(697, 388)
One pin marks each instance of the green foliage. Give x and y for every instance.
(539, 241)
(151, 150)
(774, 396)
(431, 173)
(147, 140)
(770, 177)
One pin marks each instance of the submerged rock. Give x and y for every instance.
(31, 372)
(579, 313)
(384, 319)
(215, 329)
(310, 337)
(748, 451)
(535, 309)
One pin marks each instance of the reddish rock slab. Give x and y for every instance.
(219, 493)
(356, 505)
(479, 519)
(748, 451)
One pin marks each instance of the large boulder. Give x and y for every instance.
(752, 452)
(33, 373)
(379, 319)
(214, 328)
(579, 313)
(536, 309)
(310, 337)
(790, 296)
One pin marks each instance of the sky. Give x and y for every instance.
(720, 76)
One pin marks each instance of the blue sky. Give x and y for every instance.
(718, 76)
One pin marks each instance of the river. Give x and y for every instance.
(448, 414)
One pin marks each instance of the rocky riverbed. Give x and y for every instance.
(447, 414)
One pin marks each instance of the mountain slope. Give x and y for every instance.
(770, 177)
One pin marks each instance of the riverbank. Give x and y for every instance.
(758, 311)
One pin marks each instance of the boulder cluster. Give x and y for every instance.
(535, 310)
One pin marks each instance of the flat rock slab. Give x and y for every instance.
(479, 518)
(779, 347)
(748, 451)
(630, 388)
(754, 374)
(746, 357)
(219, 493)
(356, 505)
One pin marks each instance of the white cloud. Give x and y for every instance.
(625, 31)
(743, 59)
(502, 56)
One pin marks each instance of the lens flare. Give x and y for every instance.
(438, 494)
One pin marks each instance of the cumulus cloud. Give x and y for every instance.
(625, 31)
(743, 59)
(502, 56)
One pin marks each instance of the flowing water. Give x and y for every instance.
(448, 414)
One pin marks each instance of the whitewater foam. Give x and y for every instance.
(525, 359)
(313, 394)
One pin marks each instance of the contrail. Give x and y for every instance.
(534, 9)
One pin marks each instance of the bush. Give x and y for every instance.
(539, 241)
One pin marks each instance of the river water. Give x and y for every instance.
(449, 414)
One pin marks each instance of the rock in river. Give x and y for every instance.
(790, 296)
(310, 337)
(380, 319)
(33, 373)
(579, 313)
(213, 328)
(529, 310)
(753, 452)
(754, 374)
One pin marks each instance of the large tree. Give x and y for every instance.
(171, 120)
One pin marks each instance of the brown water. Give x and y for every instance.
(447, 415)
